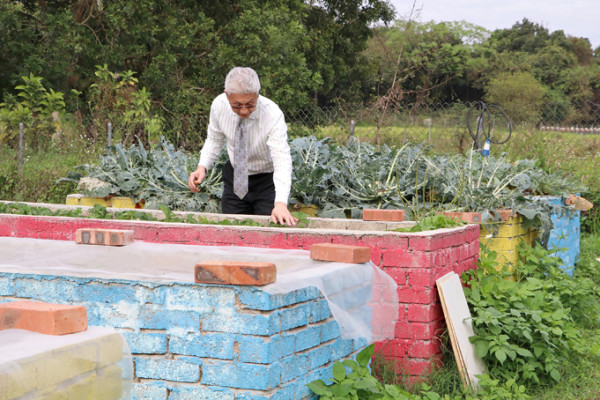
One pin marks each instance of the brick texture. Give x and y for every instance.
(383, 215)
(50, 319)
(470, 217)
(107, 237)
(340, 253)
(235, 273)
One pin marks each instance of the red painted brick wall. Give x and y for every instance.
(413, 260)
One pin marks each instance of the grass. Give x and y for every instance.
(40, 171)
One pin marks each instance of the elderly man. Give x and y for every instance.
(258, 176)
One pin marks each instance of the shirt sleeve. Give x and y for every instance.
(282, 158)
(214, 139)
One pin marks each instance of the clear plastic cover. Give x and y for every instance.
(362, 298)
(95, 363)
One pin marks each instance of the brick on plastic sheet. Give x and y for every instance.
(46, 318)
(383, 215)
(340, 253)
(235, 273)
(107, 237)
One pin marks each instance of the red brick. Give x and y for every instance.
(399, 275)
(340, 253)
(406, 259)
(420, 367)
(107, 237)
(46, 318)
(424, 312)
(417, 295)
(420, 277)
(425, 348)
(396, 348)
(419, 330)
(470, 217)
(235, 273)
(383, 215)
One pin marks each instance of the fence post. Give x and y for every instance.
(20, 166)
(109, 133)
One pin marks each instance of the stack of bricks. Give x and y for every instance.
(47, 352)
(152, 314)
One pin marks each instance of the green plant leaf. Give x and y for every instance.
(339, 371)
(364, 357)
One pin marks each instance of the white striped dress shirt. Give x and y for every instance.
(268, 149)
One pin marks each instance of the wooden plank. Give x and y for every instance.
(458, 319)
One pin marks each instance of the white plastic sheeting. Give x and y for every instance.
(95, 363)
(362, 298)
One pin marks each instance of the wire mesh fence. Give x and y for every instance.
(368, 122)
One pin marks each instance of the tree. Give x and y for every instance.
(519, 94)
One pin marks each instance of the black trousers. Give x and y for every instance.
(259, 199)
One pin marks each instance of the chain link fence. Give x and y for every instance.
(425, 120)
(369, 123)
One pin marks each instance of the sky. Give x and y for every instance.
(580, 18)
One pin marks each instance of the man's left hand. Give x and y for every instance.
(281, 215)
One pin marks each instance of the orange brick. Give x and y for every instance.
(108, 237)
(235, 273)
(340, 253)
(471, 217)
(50, 319)
(383, 215)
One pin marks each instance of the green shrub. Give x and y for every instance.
(524, 321)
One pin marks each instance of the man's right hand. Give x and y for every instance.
(196, 178)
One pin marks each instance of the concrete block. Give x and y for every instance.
(50, 319)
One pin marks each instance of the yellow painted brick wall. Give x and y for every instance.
(503, 238)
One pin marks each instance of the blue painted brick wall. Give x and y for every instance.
(565, 235)
(192, 341)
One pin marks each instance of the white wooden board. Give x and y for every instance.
(458, 319)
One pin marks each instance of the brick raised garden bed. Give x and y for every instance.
(413, 260)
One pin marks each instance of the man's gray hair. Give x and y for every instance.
(242, 80)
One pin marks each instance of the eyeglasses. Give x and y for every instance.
(241, 106)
